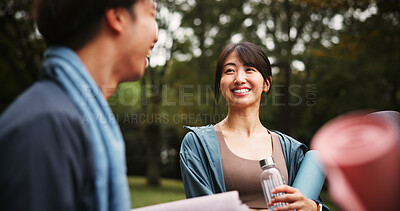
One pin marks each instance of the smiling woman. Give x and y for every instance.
(238, 68)
(224, 157)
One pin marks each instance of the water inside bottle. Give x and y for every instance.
(272, 182)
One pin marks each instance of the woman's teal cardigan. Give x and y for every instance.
(201, 165)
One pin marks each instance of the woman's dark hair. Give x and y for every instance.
(73, 23)
(250, 55)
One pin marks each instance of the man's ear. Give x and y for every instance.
(116, 18)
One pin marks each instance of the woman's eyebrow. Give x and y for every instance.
(229, 64)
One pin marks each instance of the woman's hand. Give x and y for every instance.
(295, 199)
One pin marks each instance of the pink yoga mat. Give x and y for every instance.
(362, 160)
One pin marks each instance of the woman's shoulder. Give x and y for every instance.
(198, 135)
(200, 129)
(201, 132)
(290, 142)
(201, 142)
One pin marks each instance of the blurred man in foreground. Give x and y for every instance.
(60, 145)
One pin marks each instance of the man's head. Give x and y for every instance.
(73, 23)
(129, 24)
(134, 38)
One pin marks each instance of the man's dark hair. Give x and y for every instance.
(73, 23)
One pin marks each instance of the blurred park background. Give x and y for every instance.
(329, 57)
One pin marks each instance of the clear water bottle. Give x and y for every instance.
(270, 178)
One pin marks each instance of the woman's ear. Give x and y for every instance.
(267, 84)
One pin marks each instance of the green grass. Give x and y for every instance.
(326, 199)
(171, 190)
(145, 195)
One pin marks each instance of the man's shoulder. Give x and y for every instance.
(42, 119)
(43, 98)
(43, 141)
(44, 101)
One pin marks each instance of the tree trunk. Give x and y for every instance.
(152, 132)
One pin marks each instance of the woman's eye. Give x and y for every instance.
(229, 71)
(250, 70)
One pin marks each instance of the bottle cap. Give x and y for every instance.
(266, 161)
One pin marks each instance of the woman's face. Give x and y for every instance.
(241, 85)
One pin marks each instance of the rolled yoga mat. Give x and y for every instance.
(362, 161)
(310, 177)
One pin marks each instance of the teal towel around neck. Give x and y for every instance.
(112, 190)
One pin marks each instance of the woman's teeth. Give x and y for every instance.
(241, 90)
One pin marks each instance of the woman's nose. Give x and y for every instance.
(240, 78)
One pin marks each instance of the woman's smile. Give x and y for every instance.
(241, 91)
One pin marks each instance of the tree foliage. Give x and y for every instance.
(21, 50)
(329, 57)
